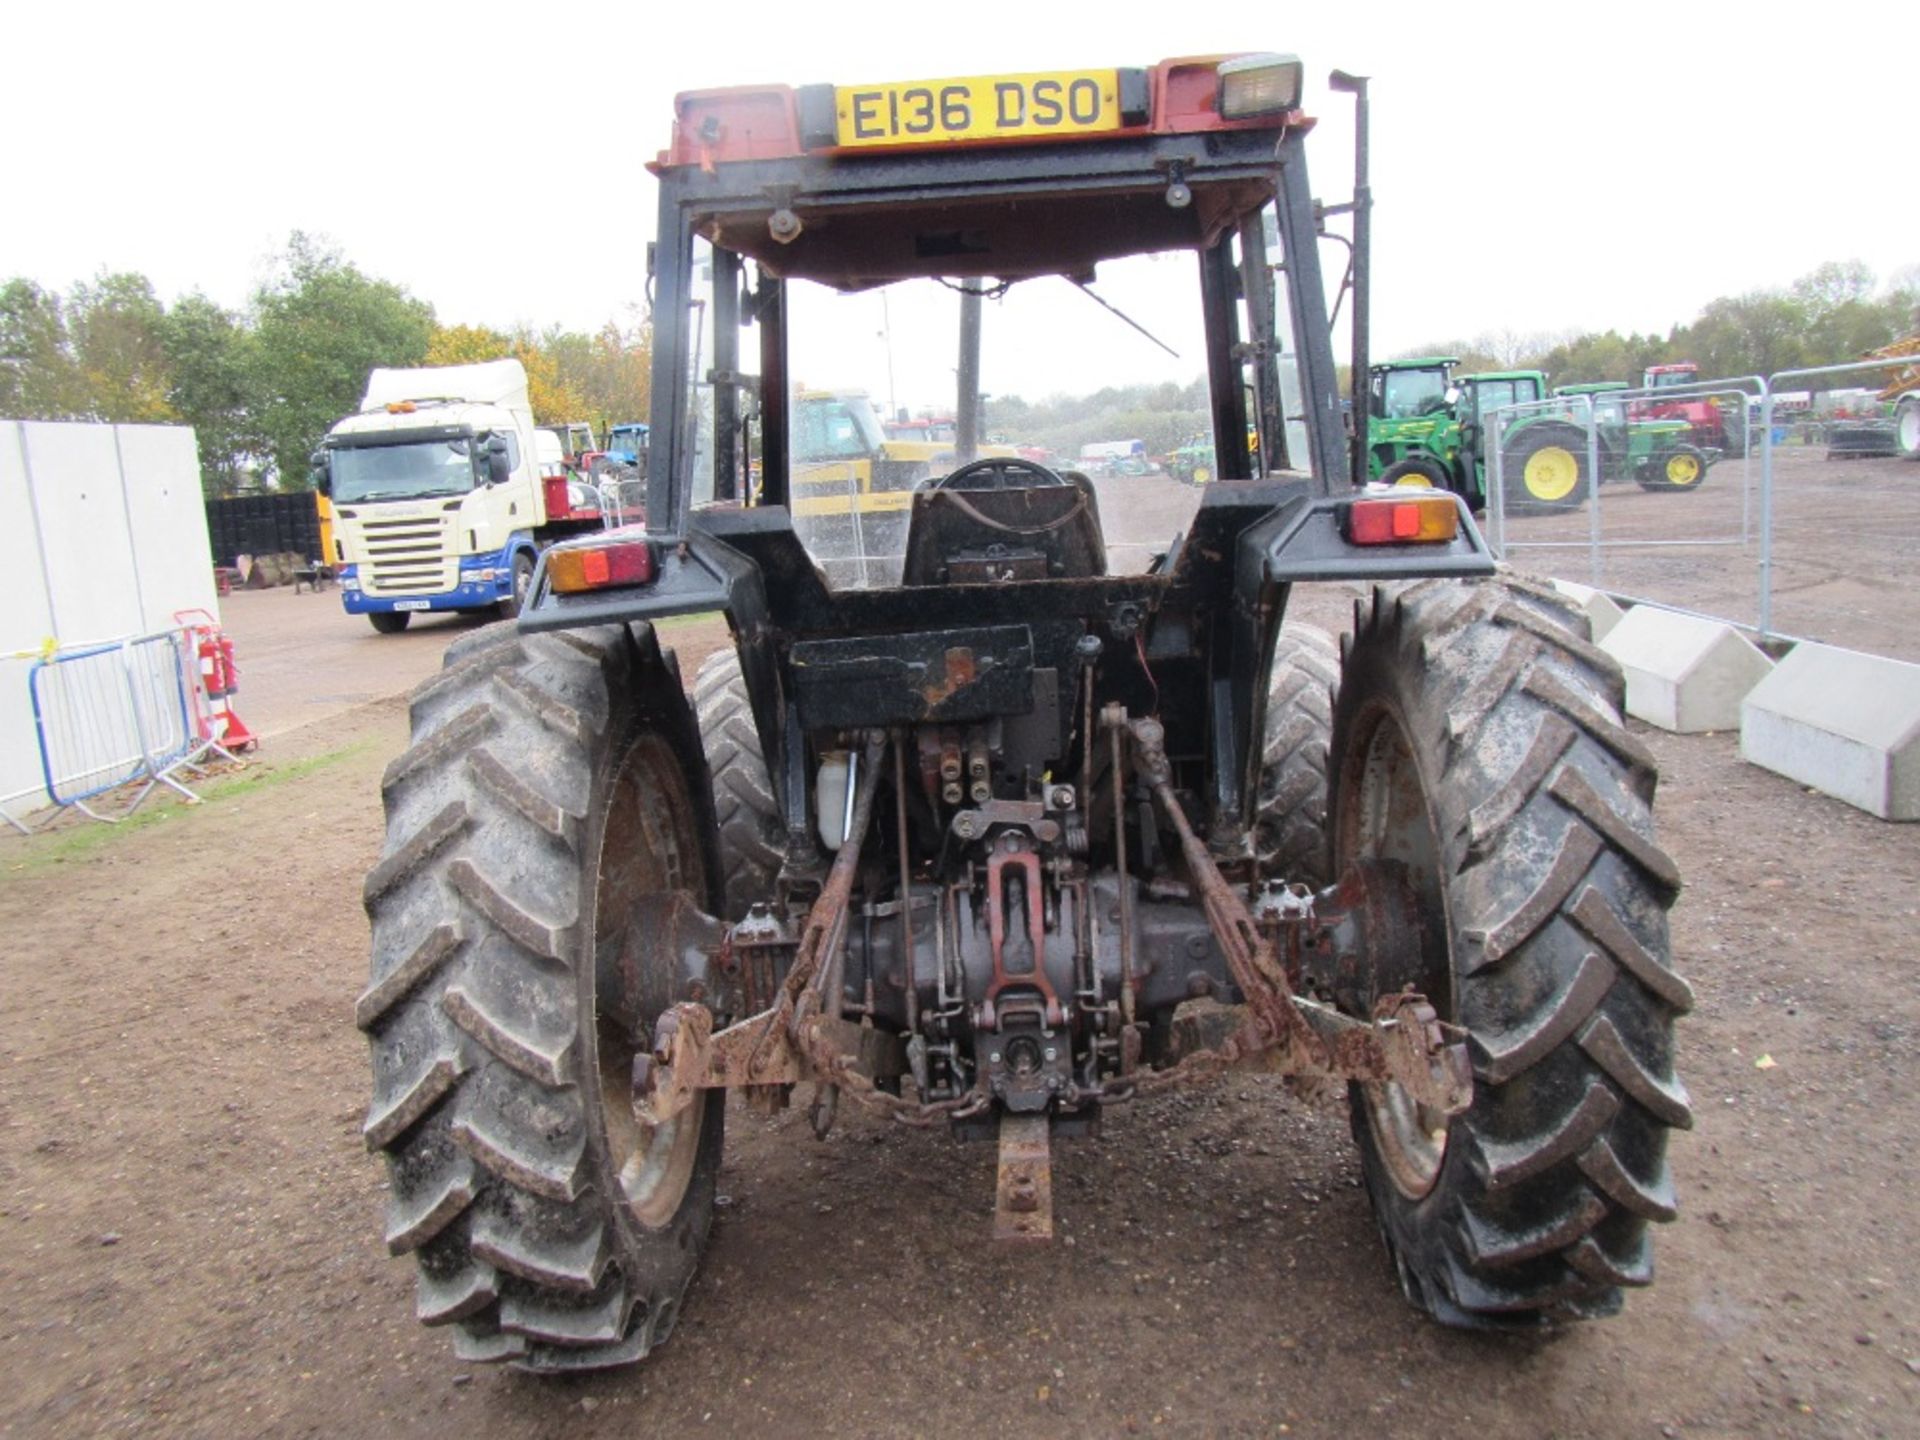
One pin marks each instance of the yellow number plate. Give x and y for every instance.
(987, 107)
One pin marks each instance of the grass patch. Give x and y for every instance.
(685, 622)
(81, 837)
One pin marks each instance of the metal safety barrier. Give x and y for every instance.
(125, 717)
(1766, 498)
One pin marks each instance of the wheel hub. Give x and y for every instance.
(1551, 473)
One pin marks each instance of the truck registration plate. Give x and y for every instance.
(985, 107)
(413, 604)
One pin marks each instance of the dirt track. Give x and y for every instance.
(192, 1225)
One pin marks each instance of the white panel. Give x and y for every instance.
(1845, 723)
(1684, 672)
(24, 622)
(168, 519)
(75, 475)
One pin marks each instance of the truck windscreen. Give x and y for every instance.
(402, 472)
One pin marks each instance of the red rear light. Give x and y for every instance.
(1423, 520)
(572, 569)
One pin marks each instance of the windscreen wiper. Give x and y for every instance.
(1087, 290)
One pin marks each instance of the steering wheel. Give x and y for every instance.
(997, 472)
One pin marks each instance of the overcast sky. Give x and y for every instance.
(1537, 167)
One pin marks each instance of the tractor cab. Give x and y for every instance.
(1411, 389)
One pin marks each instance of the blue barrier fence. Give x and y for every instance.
(113, 715)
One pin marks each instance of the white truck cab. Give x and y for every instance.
(438, 490)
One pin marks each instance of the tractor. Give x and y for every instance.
(1430, 427)
(1413, 432)
(1020, 833)
(1656, 455)
(1710, 425)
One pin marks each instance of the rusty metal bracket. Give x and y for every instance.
(1035, 976)
(1405, 1043)
(1023, 1192)
(1250, 955)
(801, 1035)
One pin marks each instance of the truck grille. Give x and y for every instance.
(408, 557)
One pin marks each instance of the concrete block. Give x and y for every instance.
(1684, 673)
(1601, 610)
(1845, 723)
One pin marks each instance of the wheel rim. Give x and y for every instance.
(1201, 475)
(1551, 473)
(1384, 815)
(522, 580)
(649, 846)
(1910, 429)
(1413, 480)
(1682, 470)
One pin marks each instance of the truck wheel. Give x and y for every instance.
(1545, 469)
(389, 622)
(1681, 468)
(522, 583)
(752, 834)
(1906, 428)
(1290, 821)
(1505, 783)
(551, 788)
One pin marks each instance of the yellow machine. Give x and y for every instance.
(1903, 392)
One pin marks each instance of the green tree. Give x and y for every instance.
(208, 372)
(608, 374)
(320, 326)
(38, 377)
(551, 398)
(1752, 334)
(115, 329)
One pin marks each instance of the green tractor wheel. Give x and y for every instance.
(1418, 471)
(1546, 469)
(1201, 475)
(1681, 468)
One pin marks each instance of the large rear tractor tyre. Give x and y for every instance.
(1906, 428)
(1290, 821)
(1545, 468)
(752, 834)
(1680, 468)
(1478, 742)
(553, 788)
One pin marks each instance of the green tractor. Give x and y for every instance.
(1426, 427)
(1193, 464)
(1654, 454)
(1413, 434)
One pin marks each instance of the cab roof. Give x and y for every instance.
(999, 206)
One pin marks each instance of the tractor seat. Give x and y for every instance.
(1004, 521)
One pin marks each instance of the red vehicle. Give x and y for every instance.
(1710, 429)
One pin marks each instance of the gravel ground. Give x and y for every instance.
(192, 1226)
